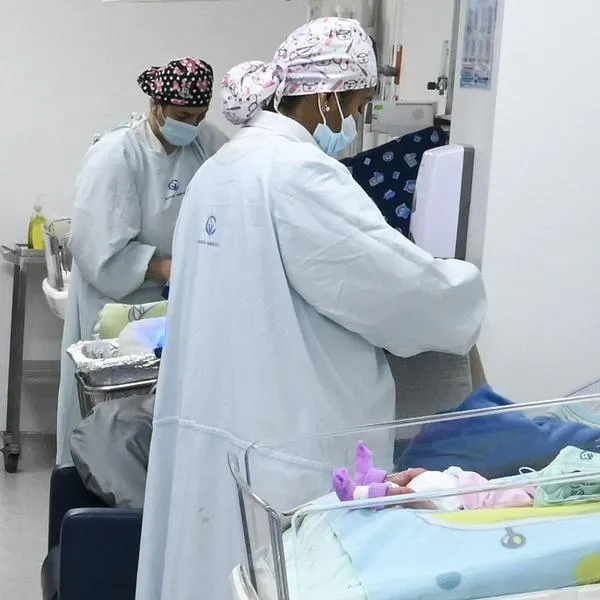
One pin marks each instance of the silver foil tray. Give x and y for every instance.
(99, 364)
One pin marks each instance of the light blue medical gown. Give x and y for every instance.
(287, 284)
(127, 199)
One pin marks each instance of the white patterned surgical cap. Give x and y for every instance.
(324, 56)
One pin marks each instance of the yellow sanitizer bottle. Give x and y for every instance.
(37, 223)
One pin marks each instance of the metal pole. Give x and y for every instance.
(12, 442)
(453, 56)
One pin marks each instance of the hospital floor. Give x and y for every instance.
(24, 519)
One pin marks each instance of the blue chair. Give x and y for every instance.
(92, 549)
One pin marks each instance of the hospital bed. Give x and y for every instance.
(301, 543)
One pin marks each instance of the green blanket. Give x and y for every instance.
(114, 318)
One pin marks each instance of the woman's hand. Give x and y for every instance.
(159, 270)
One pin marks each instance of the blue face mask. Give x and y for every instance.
(333, 143)
(178, 133)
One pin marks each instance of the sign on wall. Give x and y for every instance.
(478, 46)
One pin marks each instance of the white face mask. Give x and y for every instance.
(333, 143)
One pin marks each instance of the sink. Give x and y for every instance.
(57, 300)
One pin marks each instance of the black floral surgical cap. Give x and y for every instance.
(184, 82)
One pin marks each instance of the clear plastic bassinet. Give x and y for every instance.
(293, 525)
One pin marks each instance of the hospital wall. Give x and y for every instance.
(534, 226)
(423, 26)
(68, 71)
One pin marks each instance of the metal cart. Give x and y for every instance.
(21, 258)
(90, 395)
(110, 376)
(58, 264)
(272, 479)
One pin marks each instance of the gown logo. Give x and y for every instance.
(211, 226)
(208, 235)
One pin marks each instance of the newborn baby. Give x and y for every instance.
(370, 482)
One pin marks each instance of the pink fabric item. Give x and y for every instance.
(324, 56)
(514, 498)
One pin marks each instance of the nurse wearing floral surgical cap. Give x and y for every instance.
(127, 200)
(288, 285)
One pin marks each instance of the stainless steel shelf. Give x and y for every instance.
(20, 257)
(22, 254)
(41, 371)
